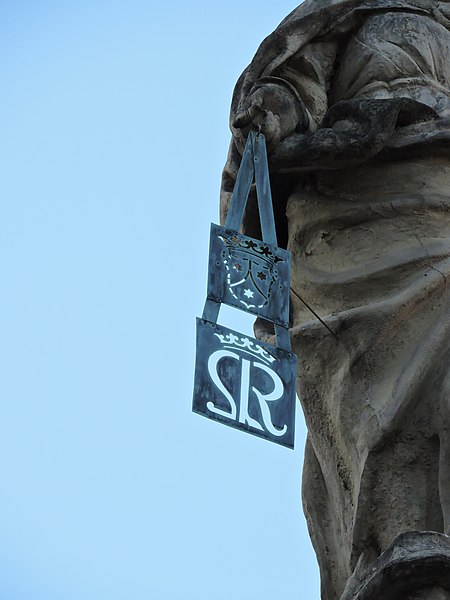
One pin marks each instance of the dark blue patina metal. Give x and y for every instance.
(245, 383)
(249, 274)
(239, 380)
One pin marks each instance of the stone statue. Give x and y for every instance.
(354, 99)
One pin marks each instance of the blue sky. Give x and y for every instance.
(114, 121)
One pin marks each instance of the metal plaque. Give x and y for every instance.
(249, 274)
(245, 383)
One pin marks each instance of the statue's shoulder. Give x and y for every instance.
(310, 8)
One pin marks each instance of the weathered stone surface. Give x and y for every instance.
(415, 566)
(354, 98)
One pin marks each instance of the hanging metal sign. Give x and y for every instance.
(239, 380)
(245, 383)
(249, 274)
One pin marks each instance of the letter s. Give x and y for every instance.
(213, 361)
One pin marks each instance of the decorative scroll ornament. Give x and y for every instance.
(239, 380)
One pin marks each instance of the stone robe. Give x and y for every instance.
(362, 197)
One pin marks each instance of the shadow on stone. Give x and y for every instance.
(415, 567)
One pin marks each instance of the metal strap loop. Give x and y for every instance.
(263, 190)
(241, 190)
(254, 165)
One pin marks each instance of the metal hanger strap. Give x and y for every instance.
(254, 165)
(263, 190)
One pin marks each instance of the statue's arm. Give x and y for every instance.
(392, 75)
(292, 98)
(323, 109)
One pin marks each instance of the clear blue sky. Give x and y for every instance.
(114, 131)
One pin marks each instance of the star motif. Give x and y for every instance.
(261, 276)
(238, 267)
(248, 293)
